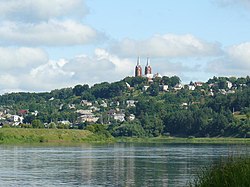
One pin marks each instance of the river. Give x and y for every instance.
(108, 165)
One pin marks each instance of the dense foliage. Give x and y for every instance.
(227, 172)
(175, 112)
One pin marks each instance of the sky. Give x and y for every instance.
(46, 45)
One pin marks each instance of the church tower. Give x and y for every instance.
(148, 69)
(138, 69)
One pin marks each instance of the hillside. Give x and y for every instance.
(136, 106)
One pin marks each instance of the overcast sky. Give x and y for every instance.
(49, 44)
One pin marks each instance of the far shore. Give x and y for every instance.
(66, 136)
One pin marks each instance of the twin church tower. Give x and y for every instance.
(138, 69)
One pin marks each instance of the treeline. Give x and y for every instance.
(182, 112)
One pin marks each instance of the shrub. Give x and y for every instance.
(228, 172)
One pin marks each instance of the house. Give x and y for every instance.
(61, 106)
(145, 88)
(191, 87)
(22, 112)
(223, 91)
(34, 113)
(51, 99)
(84, 112)
(184, 105)
(229, 84)
(149, 76)
(94, 109)
(15, 120)
(104, 104)
(128, 85)
(65, 122)
(157, 75)
(88, 118)
(211, 93)
(231, 92)
(72, 106)
(164, 88)
(212, 85)
(2, 118)
(178, 87)
(198, 84)
(130, 103)
(111, 112)
(119, 117)
(85, 103)
(131, 117)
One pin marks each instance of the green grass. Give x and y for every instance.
(192, 140)
(228, 172)
(18, 135)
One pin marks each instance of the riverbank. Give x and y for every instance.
(64, 136)
(192, 140)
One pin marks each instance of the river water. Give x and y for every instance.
(108, 165)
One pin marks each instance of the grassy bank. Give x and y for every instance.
(192, 140)
(227, 172)
(18, 135)
(14, 135)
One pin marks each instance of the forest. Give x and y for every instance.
(219, 107)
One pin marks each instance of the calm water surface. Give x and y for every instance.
(108, 165)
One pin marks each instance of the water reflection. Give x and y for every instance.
(108, 165)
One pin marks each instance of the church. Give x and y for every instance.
(148, 70)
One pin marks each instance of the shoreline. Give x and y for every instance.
(75, 137)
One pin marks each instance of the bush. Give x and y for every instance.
(228, 172)
(129, 130)
(98, 129)
(6, 126)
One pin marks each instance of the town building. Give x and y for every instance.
(148, 69)
(138, 68)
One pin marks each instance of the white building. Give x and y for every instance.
(119, 117)
(130, 103)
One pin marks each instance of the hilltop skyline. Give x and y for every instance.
(54, 44)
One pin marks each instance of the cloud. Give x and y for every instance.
(234, 63)
(233, 2)
(51, 33)
(41, 74)
(17, 58)
(37, 10)
(168, 45)
(103, 66)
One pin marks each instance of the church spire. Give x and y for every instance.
(138, 61)
(148, 61)
(148, 69)
(138, 69)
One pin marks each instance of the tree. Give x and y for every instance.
(79, 89)
(99, 129)
(166, 80)
(130, 129)
(37, 124)
(174, 80)
(154, 89)
(152, 125)
(52, 125)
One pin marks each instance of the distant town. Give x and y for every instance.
(120, 102)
